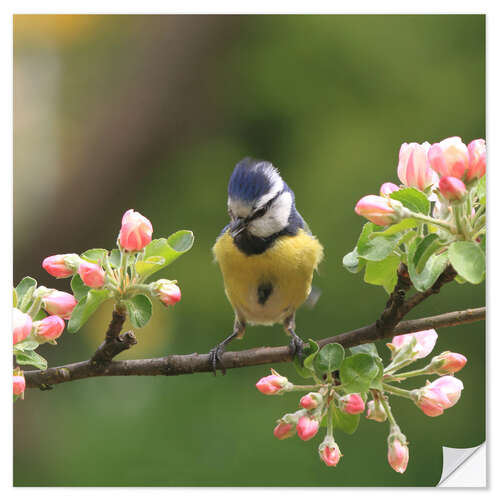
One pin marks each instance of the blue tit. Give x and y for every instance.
(266, 253)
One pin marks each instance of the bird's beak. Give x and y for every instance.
(237, 226)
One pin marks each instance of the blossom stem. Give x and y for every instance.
(396, 391)
(391, 368)
(437, 222)
(297, 388)
(414, 373)
(387, 408)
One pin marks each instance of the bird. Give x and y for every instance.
(267, 254)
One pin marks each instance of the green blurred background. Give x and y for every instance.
(152, 113)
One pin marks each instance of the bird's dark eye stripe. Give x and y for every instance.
(265, 208)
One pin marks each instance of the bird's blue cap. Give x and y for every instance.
(250, 179)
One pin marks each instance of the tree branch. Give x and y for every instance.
(196, 363)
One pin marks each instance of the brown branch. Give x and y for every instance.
(195, 363)
(114, 343)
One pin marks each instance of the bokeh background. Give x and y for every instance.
(152, 113)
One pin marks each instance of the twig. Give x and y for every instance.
(195, 363)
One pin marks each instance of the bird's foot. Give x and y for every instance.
(297, 347)
(214, 356)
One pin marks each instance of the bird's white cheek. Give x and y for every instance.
(275, 220)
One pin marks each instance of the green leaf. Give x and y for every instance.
(79, 288)
(383, 273)
(24, 292)
(139, 309)
(95, 255)
(424, 250)
(31, 358)
(370, 349)
(309, 351)
(167, 249)
(433, 268)
(468, 260)
(309, 359)
(378, 248)
(14, 298)
(114, 258)
(376, 383)
(85, 308)
(26, 345)
(404, 225)
(329, 358)
(357, 372)
(40, 315)
(412, 199)
(344, 421)
(352, 262)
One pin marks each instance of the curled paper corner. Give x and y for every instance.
(464, 467)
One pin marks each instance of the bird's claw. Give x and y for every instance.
(214, 356)
(297, 347)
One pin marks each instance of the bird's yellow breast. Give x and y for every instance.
(283, 272)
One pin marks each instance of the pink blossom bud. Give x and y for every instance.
(167, 291)
(448, 362)
(414, 169)
(92, 275)
(59, 303)
(61, 266)
(477, 159)
(19, 385)
(425, 341)
(449, 157)
(49, 328)
(284, 430)
(271, 384)
(438, 396)
(376, 411)
(311, 400)
(387, 188)
(136, 231)
(329, 452)
(307, 428)
(21, 325)
(398, 453)
(452, 189)
(377, 209)
(352, 404)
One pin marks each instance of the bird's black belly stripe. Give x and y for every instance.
(263, 292)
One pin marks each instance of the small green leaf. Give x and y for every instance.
(309, 359)
(376, 383)
(40, 315)
(424, 250)
(14, 297)
(95, 255)
(344, 421)
(114, 258)
(370, 349)
(31, 358)
(397, 228)
(468, 260)
(79, 288)
(329, 358)
(309, 350)
(24, 292)
(352, 262)
(481, 190)
(167, 249)
(383, 273)
(412, 199)
(433, 268)
(357, 372)
(26, 345)
(139, 309)
(85, 308)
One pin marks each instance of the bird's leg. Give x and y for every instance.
(215, 354)
(296, 343)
